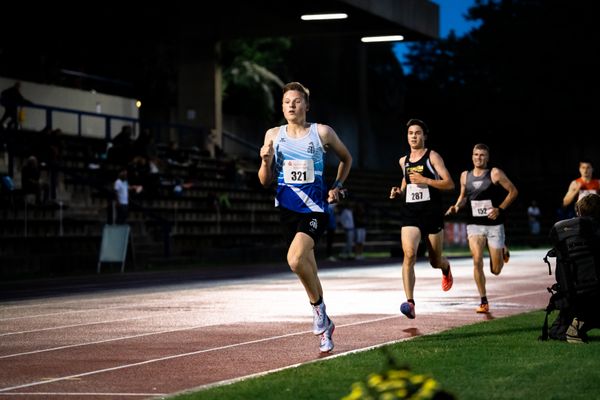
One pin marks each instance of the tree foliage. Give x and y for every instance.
(530, 63)
(252, 76)
(520, 80)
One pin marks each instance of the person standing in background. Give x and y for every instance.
(122, 189)
(347, 222)
(534, 215)
(583, 185)
(31, 182)
(360, 229)
(11, 99)
(331, 228)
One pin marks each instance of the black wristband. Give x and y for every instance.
(337, 185)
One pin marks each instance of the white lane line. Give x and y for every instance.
(140, 292)
(346, 353)
(328, 357)
(46, 301)
(90, 301)
(171, 357)
(177, 330)
(105, 341)
(89, 323)
(511, 296)
(92, 298)
(229, 346)
(140, 303)
(140, 298)
(82, 394)
(67, 312)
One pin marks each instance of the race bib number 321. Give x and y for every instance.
(298, 171)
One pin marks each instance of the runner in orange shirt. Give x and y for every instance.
(583, 185)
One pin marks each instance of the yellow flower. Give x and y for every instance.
(395, 384)
(399, 373)
(375, 379)
(417, 379)
(357, 392)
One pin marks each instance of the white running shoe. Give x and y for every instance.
(320, 319)
(327, 338)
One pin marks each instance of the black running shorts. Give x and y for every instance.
(428, 223)
(313, 224)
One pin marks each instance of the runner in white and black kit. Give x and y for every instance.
(294, 156)
(485, 193)
(422, 214)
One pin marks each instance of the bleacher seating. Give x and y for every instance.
(169, 226)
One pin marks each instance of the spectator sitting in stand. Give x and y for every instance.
(144, 145)
(212, 147)
(175, 156)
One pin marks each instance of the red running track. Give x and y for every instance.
(156, 340)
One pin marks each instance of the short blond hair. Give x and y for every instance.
(297, 86)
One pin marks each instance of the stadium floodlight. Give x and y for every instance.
(318, 17)
(389, 38)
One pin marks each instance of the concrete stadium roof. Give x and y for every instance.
(116, 21)
(414, 19)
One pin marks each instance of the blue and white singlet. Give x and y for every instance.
(299, 164)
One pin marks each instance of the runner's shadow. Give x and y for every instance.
(488, 316)
(325, 355)
(412, 332)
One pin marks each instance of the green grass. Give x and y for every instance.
(497, 359)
